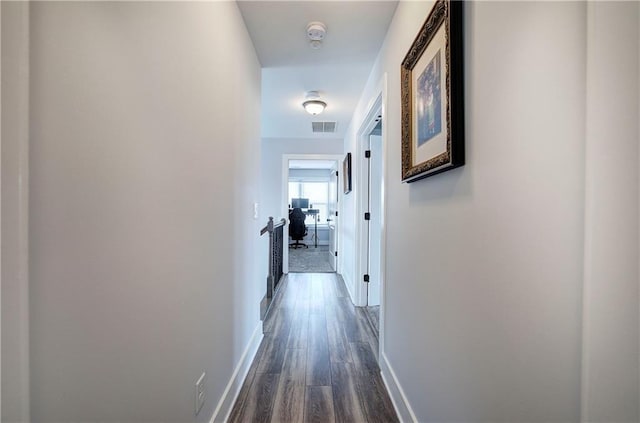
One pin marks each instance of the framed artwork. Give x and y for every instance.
(432, 95)
(346, 173)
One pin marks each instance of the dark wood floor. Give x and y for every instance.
(317, 361)
(373, 315)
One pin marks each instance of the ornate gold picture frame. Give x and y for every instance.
(432, 95)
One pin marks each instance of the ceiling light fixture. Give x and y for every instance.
(316, 32)
(312, 103)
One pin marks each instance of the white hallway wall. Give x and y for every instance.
(486, 264)
(144, 170)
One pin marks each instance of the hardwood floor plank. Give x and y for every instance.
(329, 286)
(367, 333)
(347, 315)
(347, 399)
(273, 356)
(258, 405)
(375, 399)
(303, 282)
(271, 319)
(341, 288)
(289, 403)
(319, 405)
(378, 407)
(316, 299)
(364, 360)
(290, 293)
(279, 322)
(318, 367)
(299, 333)
(339, 350)
(294, 368)
(373, 314)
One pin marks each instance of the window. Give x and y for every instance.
(316, 192)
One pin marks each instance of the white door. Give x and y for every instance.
(332, 218)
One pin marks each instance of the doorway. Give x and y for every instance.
(370, 151)
(373, 223)
(311, 197)
(374, 203)
(332, 216)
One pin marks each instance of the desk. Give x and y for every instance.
(314, 213)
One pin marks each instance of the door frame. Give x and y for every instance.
(377, 106)
(284, 190)
(334, 173)
(362, 200)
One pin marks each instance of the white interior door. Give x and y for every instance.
(332, 218)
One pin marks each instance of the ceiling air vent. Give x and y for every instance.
(323, 127)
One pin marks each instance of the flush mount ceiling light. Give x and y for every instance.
(312, 103)
(316, 32)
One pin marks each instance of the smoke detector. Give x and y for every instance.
(316, 32)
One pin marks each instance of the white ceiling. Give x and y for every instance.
(339, 70)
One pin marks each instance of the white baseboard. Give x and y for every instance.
(348, 285)
(400, 401)
(225, 405)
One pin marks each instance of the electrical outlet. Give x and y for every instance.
(200, 393)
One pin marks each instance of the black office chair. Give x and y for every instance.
(297, 228)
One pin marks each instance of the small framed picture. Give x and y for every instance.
(432, 95)
(346, 173)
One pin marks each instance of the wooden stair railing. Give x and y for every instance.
(276, 251)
